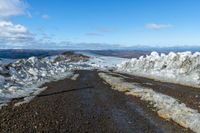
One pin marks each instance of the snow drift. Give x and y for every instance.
(182, 68)
(23, 77)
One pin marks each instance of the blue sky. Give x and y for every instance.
(124, 22)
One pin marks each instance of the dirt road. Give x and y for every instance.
(84, 105)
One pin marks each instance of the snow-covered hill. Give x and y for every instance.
(182, 68)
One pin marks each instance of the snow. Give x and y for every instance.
(25, 76)
(2, 80)
(167, 107)
(103, 62)
(6, 61)
(27, 99)
(182, 68)
(75, 77)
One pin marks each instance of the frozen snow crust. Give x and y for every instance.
(167, 107)
(182, 68)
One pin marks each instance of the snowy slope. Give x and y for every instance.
(182, 68)
(103, 62)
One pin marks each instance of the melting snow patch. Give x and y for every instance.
(167, 107)
(75, 77)
(31, 97)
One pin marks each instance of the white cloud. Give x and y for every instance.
(45, 16)
(10, 8)
(154, 26)
(14, 33)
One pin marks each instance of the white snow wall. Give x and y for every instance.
(182, 68)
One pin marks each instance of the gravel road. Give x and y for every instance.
(83, 105)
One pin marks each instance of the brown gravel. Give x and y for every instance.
(84, 105)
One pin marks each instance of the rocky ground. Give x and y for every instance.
(84, 105)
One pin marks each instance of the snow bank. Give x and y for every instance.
(167, 107)
(23, 77)
(182, 68)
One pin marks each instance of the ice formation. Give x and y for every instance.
(167, 107)
(182, 68)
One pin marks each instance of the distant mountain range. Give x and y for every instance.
(162, 49)
(26, 53)
(126, 52)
